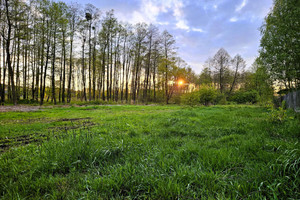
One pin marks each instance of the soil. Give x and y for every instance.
(19, 108)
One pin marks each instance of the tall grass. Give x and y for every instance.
(223, 152)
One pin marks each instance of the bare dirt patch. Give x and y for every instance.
(28, 108)
(19, 108)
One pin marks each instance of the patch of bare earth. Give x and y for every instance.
(19, 108)
(26, 108)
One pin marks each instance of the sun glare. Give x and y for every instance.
(180, 82)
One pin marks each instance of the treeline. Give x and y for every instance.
(225, 78)
(56, 52)
(51, 51)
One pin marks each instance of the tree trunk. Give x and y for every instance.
(90, 78)
(11, 73)
(64, 68)
(83, 70)
(71, 65)
(53, 65)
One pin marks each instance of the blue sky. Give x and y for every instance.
(200, 27)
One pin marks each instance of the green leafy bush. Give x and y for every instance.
(190, 99)
(245, 97)
(221, 99)
(278, 115)
(205, 95)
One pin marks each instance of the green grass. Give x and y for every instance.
(148, 152)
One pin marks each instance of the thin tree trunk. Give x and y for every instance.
(53, 65)
(94, 66)
(83, 70)
(46, 64)
(64, 68)
(71, 65)
(90, 78)
(11, 73)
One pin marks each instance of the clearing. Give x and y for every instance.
(148, 152)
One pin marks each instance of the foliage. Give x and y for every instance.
(259, 80)
(280, 44)
(110, 60)
(221, 63)
(205, 95)
(190, 99)
(278, 115)
(242, 96)
(206, 76)
(221, 99)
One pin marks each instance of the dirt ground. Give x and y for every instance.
(28, 108)
(19, 108)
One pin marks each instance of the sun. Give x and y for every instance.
(180, 82)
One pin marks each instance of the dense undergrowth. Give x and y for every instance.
(149, 152)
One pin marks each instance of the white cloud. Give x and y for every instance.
(240, 7)
(149, 11)
(233, 19)
(177, 9)
(163, 23)
(181, 24)
(137, 17)
(197, 30)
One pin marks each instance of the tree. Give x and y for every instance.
(40, 59)
(73, 22)
(82, 31)
(139, 50)
(221, 62)
(280, 44)
(239, 64)
(259, 79)
(8, 53)
(205, 77)
(91, 15)
(168, 51)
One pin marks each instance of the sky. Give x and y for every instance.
(200, 27)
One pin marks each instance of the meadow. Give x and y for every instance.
(149, 152)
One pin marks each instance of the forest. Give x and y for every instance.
(57, 52)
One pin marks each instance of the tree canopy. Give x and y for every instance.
(280, 43)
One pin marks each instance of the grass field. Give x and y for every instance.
(148, 152)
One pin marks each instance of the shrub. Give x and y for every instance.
(205, 95)
(221, 99)
(278, 115)
(177, 98)
(244, 97)
(190, 99)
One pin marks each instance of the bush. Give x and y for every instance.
(245, 97)
(278, 115)
(205, 96)
(177, 98)
(221, 99)
(190, 99)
